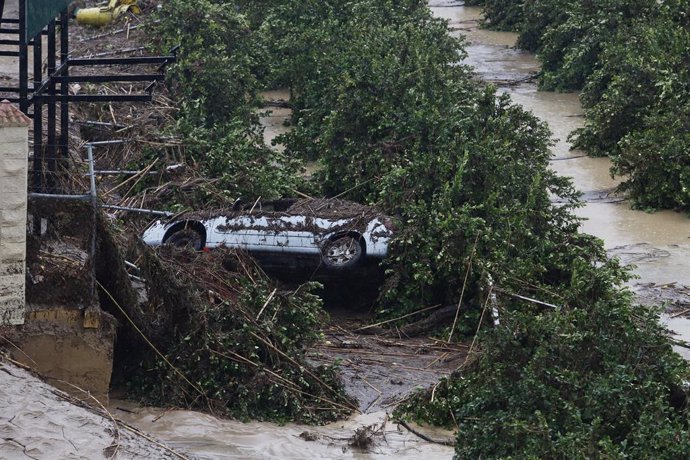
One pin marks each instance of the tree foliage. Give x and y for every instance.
(503, 14)
(636, 108)
(398, 123)
(631, 59)
(467, 174)
(217, 76)
(593, 381)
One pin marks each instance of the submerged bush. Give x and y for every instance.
(635, 104)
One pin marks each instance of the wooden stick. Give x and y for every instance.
(464, 283)
(270, 297)
(303, 195)
(398, 318)
(443, 442)
(676, 315)
(143, 172)
(2, 337)
(481, 319)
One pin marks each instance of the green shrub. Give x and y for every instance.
(503, 14)
(219, 71)
(453, 161)
(594, 380)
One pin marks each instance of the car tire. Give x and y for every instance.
(342, 253)
(186, 238)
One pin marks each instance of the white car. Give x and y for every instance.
(337, 233)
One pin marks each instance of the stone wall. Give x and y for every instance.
(13, 202)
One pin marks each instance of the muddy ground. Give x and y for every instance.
(38, 421)
(380, 372)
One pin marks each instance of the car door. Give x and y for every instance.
(235, 231)
(295, 234)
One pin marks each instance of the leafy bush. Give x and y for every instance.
(453, 161)
(623, 87)
(594, 381)
(635, 104)
(631, 58)
(467, 174)
(380, 100)
(217, 77)
(567, 35)
(655, 160)
(502, 14)
(570, 50)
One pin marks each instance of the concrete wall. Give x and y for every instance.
(13, 199)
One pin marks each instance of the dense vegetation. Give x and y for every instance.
(216, 81)
(630, 58)
(381, 102)
(594, 380)
(465, 171)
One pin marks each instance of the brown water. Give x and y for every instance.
(203, 436)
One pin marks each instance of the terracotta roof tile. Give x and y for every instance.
(11, 116)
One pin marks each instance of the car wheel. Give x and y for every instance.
(342, 253)
(186, 238)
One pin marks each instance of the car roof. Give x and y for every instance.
(327, 208)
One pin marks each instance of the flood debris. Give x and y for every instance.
(381, 371)
(221, 337)
(444, 442)
(309, 436)
(366, 437)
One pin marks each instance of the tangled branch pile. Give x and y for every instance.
(236, 341)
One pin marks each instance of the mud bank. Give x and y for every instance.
(39, 422)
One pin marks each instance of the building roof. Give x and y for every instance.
(11, 116)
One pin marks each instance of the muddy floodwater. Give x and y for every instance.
(203, 436)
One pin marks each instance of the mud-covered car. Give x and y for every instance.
(336, 234)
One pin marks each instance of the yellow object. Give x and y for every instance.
(106, 14)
